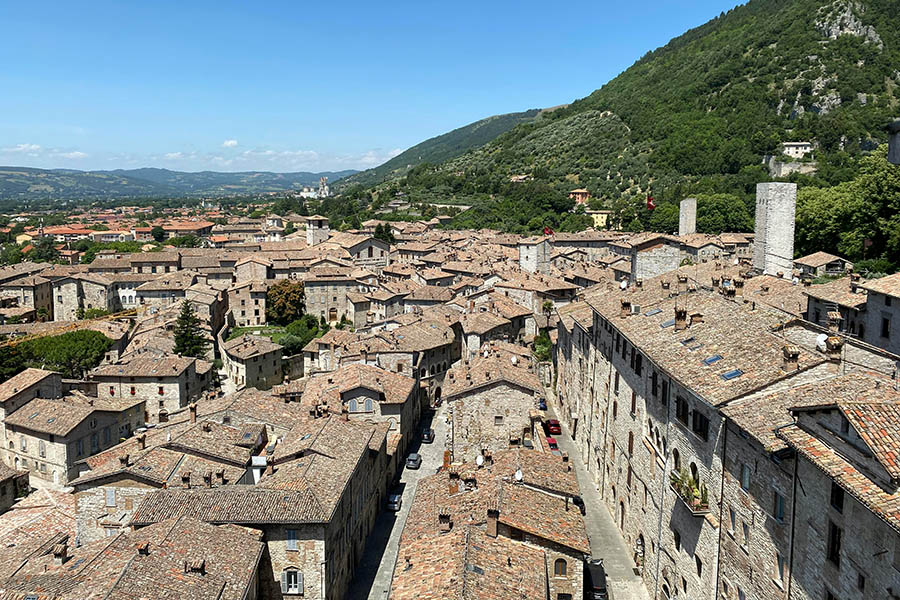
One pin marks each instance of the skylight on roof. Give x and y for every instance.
(712, 359)
(688, 341)
(655, 311)
(668, 323)
(733, 374)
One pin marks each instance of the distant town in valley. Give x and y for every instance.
(640, 346)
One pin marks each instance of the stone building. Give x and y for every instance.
(534, 255)
(839, 305)
(176, 558)
(522, 497)
(773, 250)
(32, 291)
(316, 230)
(365, 392)
(819, 264)
(165, 383)
(326, 294)
(252, 361)
(253, 268)
(49, 436)
(883, 312)
(315, 505)
(492, 400)
(155, 262)
(247, 303)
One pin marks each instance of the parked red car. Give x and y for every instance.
(552, 443)
(553, 427)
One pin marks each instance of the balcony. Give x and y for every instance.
(694, 496)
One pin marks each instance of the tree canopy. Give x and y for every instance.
(189, 335)
(284, 301)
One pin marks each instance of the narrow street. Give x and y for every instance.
(373, 575)
(606, 542)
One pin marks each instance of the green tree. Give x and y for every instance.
(189, 337)
(10, 254)
(158, 233)
(44, 250)
(73, 353)
(284, 301)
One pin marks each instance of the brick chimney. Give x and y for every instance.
(680, 319)
(625, 310)
(492, 516)
(682, 283)
(270, 466)
(445, 522)
(738, 286)
(834, 321)
(192, 407)
(60, 554)
(220, 477)
(207, 479)
(665, 284)
(142, 441)
(186, 480)
(143, 548)
(833, 347)
(124, 460)
(716, 281)
(638, 283)
(791, 355)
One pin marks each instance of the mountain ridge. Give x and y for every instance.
(32, 183)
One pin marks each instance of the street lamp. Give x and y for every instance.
(894, 145)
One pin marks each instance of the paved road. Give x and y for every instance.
(606, 541)
(373, 575)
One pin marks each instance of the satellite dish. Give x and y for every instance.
(479, 460)
(514, 360)
(623, 285)
(736, 262)
(820, 341)
(519, 475)
(795, 281)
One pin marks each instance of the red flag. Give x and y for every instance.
(650, 204)
(548, 231)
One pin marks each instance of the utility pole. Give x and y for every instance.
(894, 145)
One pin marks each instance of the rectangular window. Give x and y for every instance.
(654, 381)
(79, 447)
(498, 420)
(110, 498)
(731, 520)
(885, 327)
(779, 566)
(746, 531)
(681, 410)
(745, 477)
(23, 443)
(112, 391)
(160, 390)
(291, 582)
(837, 497)
(700, 425)
(133, 391)
(291, 538)
(778, 507)
(639, 364)
(665, 393)
(833, 550)
(616, 386)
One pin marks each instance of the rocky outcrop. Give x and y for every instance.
(843, 18)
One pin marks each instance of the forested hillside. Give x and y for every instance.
(696, 117)
(443, 147)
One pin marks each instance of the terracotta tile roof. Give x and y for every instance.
(61, 415)
(22, 381)
(744, 350)
(328, 388)
(248, 346)
(467, 564)
(432, 293)
(889, 285)
(884, 504)
(544, 515)
(146, 366)
(839, 291)
(816, 259)
(464, 379)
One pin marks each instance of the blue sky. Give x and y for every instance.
(289, 86)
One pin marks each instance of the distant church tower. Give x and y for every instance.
(324, 192)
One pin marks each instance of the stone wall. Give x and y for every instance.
(486, 418)
(773, 250)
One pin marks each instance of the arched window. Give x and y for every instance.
(560, 567)
(676, 459)
(695, 475)
(351, 406)
(369, 405)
